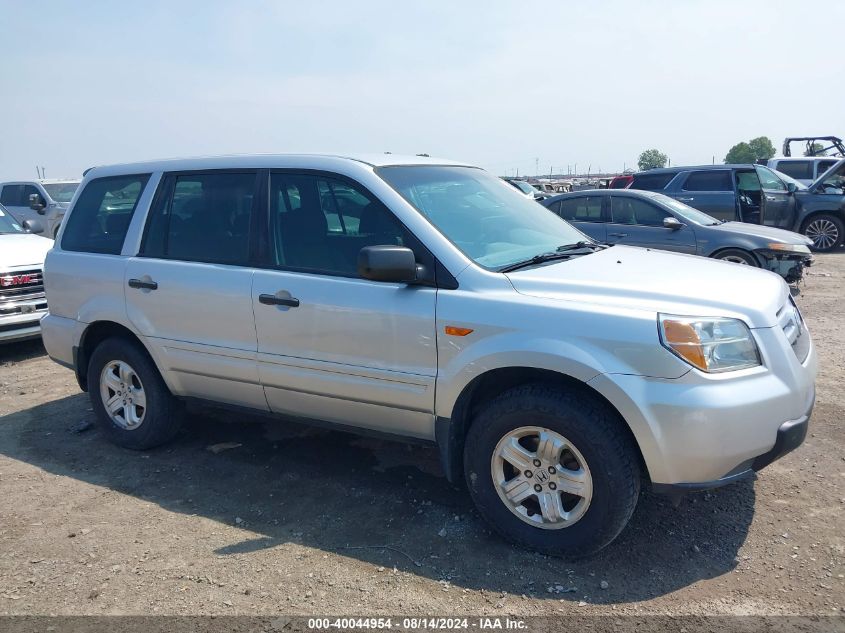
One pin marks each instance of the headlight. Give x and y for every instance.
(787, 248)
(710, 344)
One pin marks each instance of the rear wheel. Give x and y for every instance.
(826, 231)
(133, 405)
(737, 256)
(552, 471)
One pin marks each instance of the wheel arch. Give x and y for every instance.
(450, 433)
(745, 248)
(94, 334)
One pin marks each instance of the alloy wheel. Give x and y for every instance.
(123, 395)
(541, 477)
(823, 232)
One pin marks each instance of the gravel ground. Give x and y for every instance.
(280, 518)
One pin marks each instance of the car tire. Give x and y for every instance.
(737, 256)
(598, 459)
(826, 231)
(122, 377)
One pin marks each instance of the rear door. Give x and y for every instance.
(586, 213)
(711, 191)
(189, 291)
(638, 222)
(331, 345)
(778, 204)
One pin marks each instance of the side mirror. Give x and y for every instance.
(791, 188)
(36, 203)
(387, 263)
(33, 226)
(672, 223)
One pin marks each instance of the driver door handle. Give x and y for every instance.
(771, 198)
(619, 235)
(685, 199)
(145, 285)
(273, 300)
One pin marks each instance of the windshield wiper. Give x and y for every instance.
(578, 246)
(562, 252)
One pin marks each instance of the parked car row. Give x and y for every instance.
(756, 194)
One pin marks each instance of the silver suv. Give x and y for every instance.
(429, 300)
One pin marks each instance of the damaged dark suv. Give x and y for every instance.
(758, 195)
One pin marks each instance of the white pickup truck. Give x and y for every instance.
(22, 299)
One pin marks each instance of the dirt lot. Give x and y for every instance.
(294, 520)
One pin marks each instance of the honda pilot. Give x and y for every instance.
(429, 300)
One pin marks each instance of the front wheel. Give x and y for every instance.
(826, 231)
(551, 470)
(737, 256)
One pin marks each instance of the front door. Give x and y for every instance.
(189, 292)
(16, 200)
(331, 345)
(637, 222)
(778, 203)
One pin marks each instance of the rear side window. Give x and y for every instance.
(651, 182)
(100, 219)
(796, 168)
(586, 209)
(11, 195)
(203, 217)
(717, 180)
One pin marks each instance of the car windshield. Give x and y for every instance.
(485, 218)
(61, 191)
(687, 212)
(523, 186)
(8, 224)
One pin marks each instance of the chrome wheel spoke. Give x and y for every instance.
(551, 507)
(112, 381)
(573, 482)
(139, 398)
(517, 456)
(126, 374)
(114, 404)
(550, 447)
(517, 489)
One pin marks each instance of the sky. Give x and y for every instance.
(508, 86)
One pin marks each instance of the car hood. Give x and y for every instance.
(23, 249)
(657, 281)
(769, 233)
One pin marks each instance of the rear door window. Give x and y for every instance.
(630, 210)
(584, 209)
(100, 219)
(715, 180)
(11, 195)
(800, 169)
(651, 182)
(203, 217)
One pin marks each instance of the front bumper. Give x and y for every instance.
(705, 430)
(21, 326)
(790, 435)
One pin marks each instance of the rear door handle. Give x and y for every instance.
(146, 285)
(619, 235)
(273, 300)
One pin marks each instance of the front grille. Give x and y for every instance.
(794, 328)
(21, 285)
